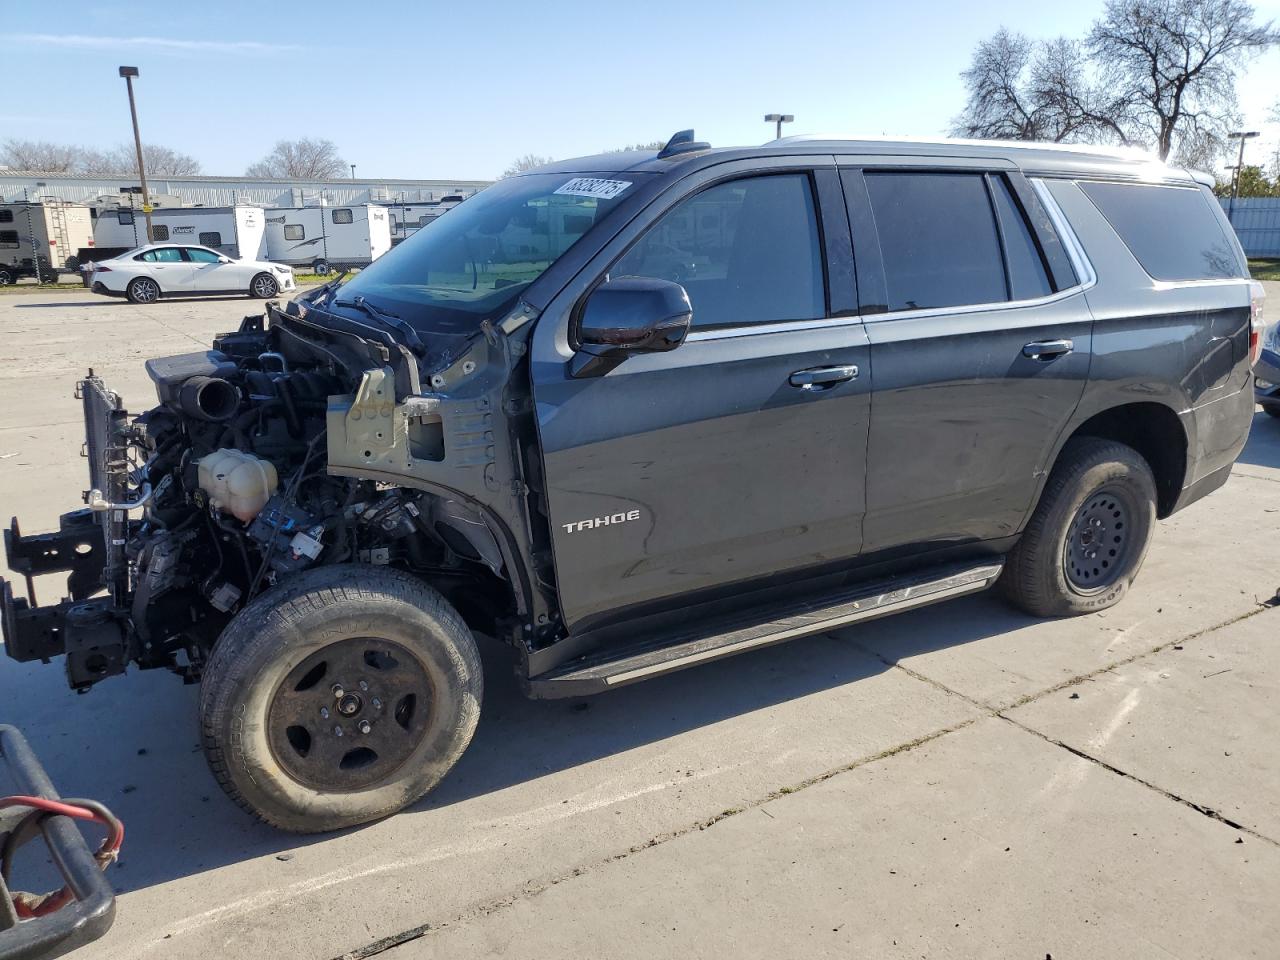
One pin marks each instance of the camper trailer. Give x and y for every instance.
(235, 231)
(56, 228)
(406, 219)
(328, 238)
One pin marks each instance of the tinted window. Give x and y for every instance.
(9, 239)
(294, 231)
(196, 255)
(1172, 231)
(159, 232)
(125, 216)
(1027, 275)
(938, 239)
(6, 216)
(211, 239)
(342, 216)
(746, 251)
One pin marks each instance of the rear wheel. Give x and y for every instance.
(264, 286)
(143, 290)
(321, 268)
(1089, 533)
(6, 278)
(339, 697)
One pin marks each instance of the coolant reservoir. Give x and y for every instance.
(236, 482)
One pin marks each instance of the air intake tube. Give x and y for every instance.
(209, 398)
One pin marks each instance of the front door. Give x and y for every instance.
(211, 274)
(738, 458)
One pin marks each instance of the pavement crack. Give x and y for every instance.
(534, 888)
(1200, 808)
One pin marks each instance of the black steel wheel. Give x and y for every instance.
(339, 697)
(350, 714)
(321, 268)
(1088, 535)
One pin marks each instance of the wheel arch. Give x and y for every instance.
(1156, 432)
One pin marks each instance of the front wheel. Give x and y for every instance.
(143, 290)
(321, 268)
(339, 697)
(264, 286)
(1089, 533)
(6, 278)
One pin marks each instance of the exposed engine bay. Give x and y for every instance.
(249, 470)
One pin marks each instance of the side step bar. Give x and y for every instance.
(623, 663)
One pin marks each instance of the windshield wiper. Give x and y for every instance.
(388, 321)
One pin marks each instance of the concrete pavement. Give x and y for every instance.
(792, 800)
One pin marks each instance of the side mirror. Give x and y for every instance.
(224, 259)
(630, 315)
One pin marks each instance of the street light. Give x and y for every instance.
(779, 119)
(353, 171)
(129, 73)
(1242, 136)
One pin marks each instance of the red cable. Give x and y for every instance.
(27, 906)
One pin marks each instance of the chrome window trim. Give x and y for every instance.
(780, 326)
(1085, 273)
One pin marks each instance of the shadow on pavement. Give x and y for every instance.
(132, 742)
(1263, 448)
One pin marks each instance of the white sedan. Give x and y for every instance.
(148, 273)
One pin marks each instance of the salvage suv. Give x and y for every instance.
(633, 413)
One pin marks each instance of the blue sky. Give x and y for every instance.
(434, 90)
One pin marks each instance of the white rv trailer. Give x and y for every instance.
(57, 229)
(236, 231)
(406, 219)
(328, 238)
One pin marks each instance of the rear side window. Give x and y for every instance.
(746, 251)
(1028, 277)
(938, 239)
(1171, 231)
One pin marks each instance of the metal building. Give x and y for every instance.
(1257, 223)
(19, 185)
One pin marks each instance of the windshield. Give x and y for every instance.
(473, 262)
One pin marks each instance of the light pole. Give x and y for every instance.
(129, 73)
(353, 171)
(1242, 136)
(779, 119)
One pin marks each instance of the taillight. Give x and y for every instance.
(1257, 326)
(108, 270)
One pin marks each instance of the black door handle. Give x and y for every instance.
(819, 378)
(1047, 349)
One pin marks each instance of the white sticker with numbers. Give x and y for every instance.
(594, 187)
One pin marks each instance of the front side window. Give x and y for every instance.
(1171, 231)
(342, 216)
(211, 239)
(196, 255)
(294, 231)
(746, 251)
(473, 264)
(938, 239)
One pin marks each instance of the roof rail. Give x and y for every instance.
(682, 142)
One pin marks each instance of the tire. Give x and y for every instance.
(6, 278)
(142, 290)
(1089, 534)
(269, 711)
(321, 268)
(264, 286)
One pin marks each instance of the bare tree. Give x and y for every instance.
(161, 161)
(304, 159)
(1176, 61)
(651, 145)
(528, 162)
(39, 155)
(1022, 89)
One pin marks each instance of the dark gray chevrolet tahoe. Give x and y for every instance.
(636, 412)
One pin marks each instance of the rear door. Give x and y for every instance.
(169, 268)
(713, 468)
(981, 343)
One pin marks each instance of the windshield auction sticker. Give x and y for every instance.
(594, 187)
